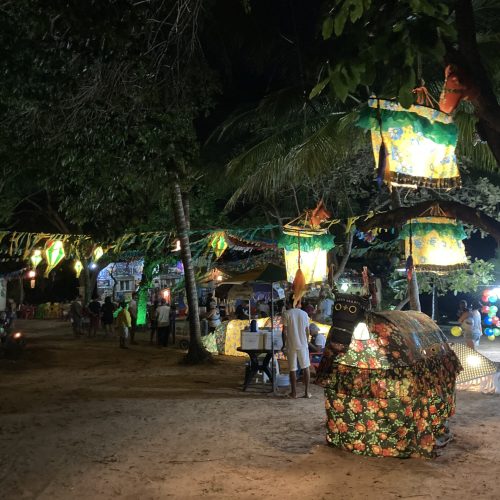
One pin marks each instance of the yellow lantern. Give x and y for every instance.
(219, 244)
(413, 147)
(309, 253)
(98, 253)
(78, 268)
(54, 253)
(435, 243)
(36, 258)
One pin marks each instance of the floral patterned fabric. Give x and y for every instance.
(416, 155)
(390, 395)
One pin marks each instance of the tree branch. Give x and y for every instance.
(451, 209)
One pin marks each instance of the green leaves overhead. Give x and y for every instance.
(379, 44)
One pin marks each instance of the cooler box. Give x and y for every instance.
(251, 340)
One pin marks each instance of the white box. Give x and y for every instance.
(277, 340)
(251, 340)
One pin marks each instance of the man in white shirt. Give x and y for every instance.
(295, 336)
(163, 321)
(318, 340)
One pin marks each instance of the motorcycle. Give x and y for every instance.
(12, 345)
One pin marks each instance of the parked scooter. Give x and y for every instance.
(12, 345)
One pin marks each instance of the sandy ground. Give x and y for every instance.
(82, 419)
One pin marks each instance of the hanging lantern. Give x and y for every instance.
(54, 252)
(307, 253)
(78, 268)
(435, 244)
(413, 147)
(36, 258)
(218, 243)
(32, 276)
(98, 253)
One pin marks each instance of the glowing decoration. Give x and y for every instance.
(307, 253)
(177, 246)
(78, 268)
(435, 243)
(492, 299)
(36, 258)
(413, 147)
(54, 253)
(142, 305)
(165, 293)
(456, 331)
(32, 276)
(218, 243)
(98, 253)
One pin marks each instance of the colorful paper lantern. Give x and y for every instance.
(78, 268)
(435, 243)
(54, 253)
(98, 253)
(36, 258)
(456, 331)
(308, 253)
(218, 243)
(413, 147)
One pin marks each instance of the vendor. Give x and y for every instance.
(318, 340)
(241, 312)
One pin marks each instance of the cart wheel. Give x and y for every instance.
(184, 344)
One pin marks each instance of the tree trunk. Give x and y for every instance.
(196, 353)
(413, 293)
(347, 253)
(400, 306)
(485, 103)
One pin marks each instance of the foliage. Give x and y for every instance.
(479, 273)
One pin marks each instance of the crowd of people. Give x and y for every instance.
(88, 319)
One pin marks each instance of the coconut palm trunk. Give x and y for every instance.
(196, 353)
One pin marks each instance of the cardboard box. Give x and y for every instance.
(252, 340)
(277, 340)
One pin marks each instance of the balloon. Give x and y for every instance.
(493, 308)
(456, 331)
(492, 299)
(496, 332)
(488, 321)
(491, 337)
(489, 332)
(491, 313)
(495, 319)
(486, 309)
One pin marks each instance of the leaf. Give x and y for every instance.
(327, 29)
(340, 19)
(318, 88)
(356, 10)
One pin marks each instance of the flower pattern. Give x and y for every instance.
(392, 395)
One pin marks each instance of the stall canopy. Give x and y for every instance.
(270, 273)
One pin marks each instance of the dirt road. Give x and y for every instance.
(83, 419)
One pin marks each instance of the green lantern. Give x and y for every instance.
(36, 258)
(98, 253)
(54, 252)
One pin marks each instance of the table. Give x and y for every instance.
(256, 365)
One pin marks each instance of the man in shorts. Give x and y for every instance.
(295, 335)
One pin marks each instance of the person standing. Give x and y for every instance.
(76, 312)
(213, 317)
(295, 336)
(132, 309)
(123, 322)
(94, 309)
(163, 319)
(107, 310)
(471, 325)
(153, 321)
